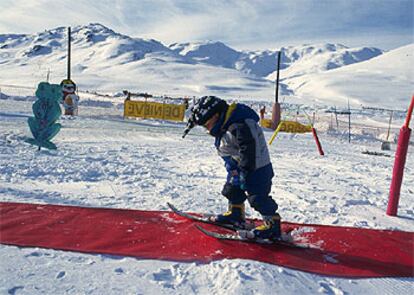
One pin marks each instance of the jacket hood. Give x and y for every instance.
(238, 113)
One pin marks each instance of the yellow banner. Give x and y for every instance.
(294, 127)
(155, 110)
(266, 123)
(290, 127)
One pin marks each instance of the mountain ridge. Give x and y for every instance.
(106, 60)
(215, 53)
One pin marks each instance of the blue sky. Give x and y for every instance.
(259, 24)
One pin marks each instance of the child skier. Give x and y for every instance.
(240, 142)
(70, 99)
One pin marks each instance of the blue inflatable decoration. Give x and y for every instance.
(46, 111)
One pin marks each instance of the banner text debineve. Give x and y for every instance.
(154, 110)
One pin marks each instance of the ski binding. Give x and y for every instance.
(245, 236)
(206, 218)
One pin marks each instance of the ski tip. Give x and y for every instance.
(200, 228)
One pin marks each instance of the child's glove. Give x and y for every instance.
(238, 179)
(230, 164)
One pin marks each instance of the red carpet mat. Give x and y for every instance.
(335, 251)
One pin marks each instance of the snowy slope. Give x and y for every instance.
(213, 53)
(312, 59)
(297, 60)
(92, 36)
(386, 80)
(105, 60)
(104, 161)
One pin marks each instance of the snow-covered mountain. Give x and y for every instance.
(108, 61)
(212, 53)
(311, 59)
(106, 45)
(298, 59)
(103, 45)
(386, 80)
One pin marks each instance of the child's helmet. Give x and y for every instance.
(203, 109)
(68, 85)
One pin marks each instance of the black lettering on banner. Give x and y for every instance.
(148, 110)
(139, 109)
(176, 112)
(158, 110)
(168, 111)
(130, 108)
(153, 110)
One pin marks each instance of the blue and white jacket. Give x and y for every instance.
(241, 143)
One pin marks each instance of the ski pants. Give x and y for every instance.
(257, 195)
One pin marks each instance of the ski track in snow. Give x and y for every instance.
(102, 161)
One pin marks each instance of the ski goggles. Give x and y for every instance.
(68, 87)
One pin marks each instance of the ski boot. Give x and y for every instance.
(270, 229)
(234, 216)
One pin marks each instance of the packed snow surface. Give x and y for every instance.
(105, 161)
